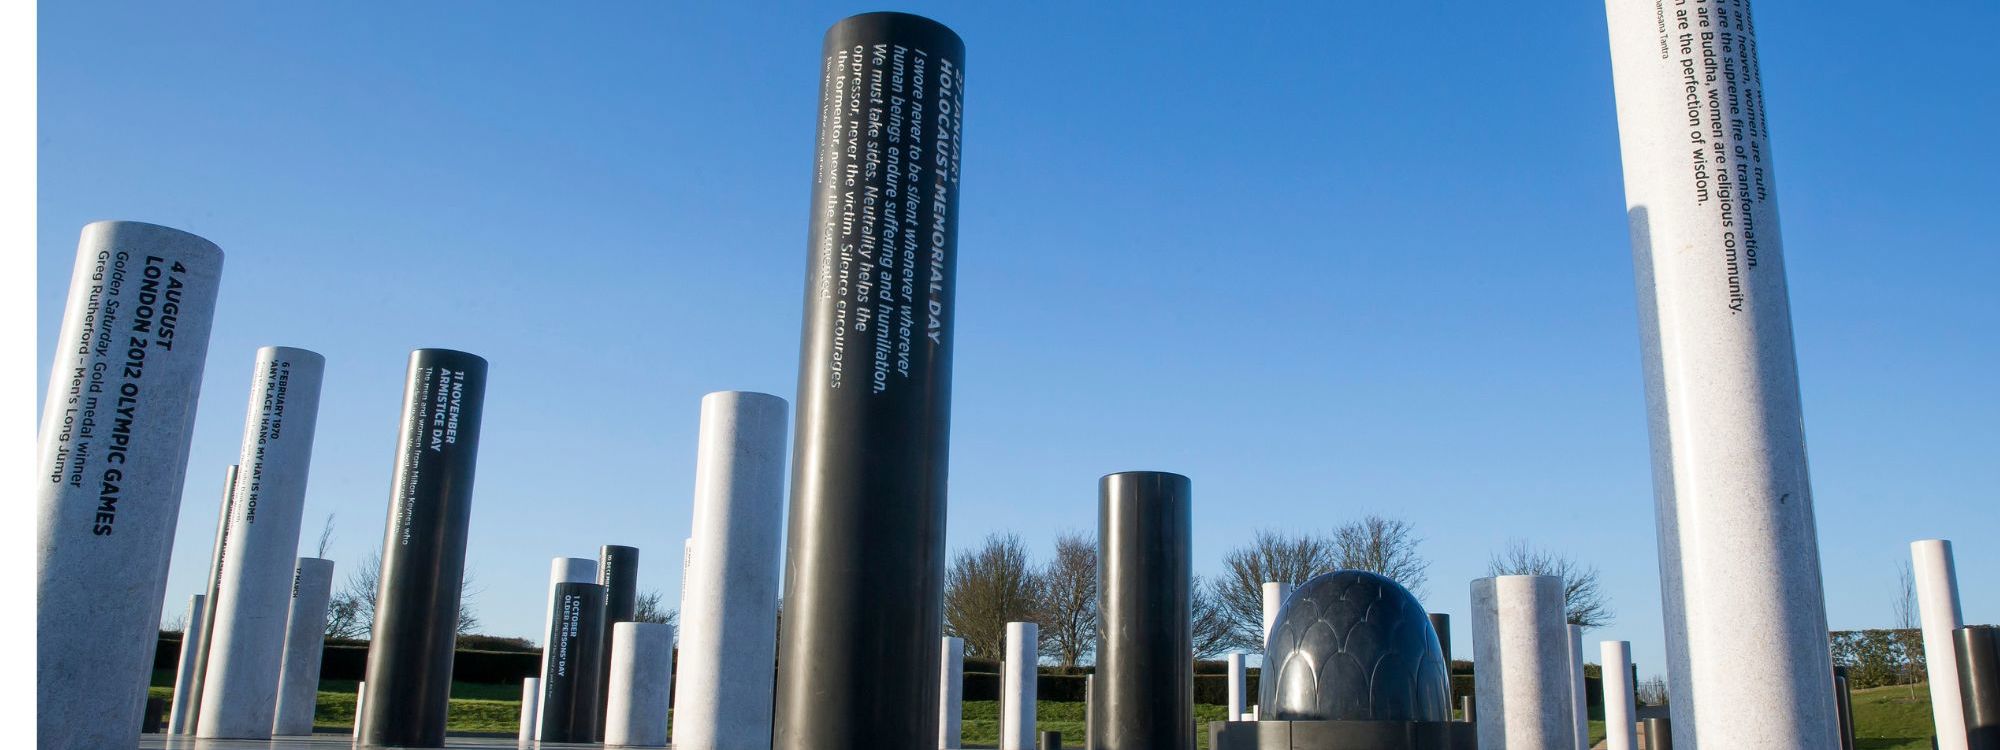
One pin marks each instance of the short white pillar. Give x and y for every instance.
(1274, 598)
(531, 704)
(1579, 699)
(1237, 682)
(729, 594)
(184, 672)
(305, 643)
(1017, 687)
(1937, 608)
(951, 687)
(360, 692)
(561, 570)
(1620, 710)
(642, 665)
(1521, 664)
(239, 697)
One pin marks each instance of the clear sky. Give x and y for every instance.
(1324, 261)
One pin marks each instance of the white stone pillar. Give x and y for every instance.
(1237, 682)
(1579, 699)
(1938, 610)
(305, 643)
(1017, 687)
(110, 461)
(729, 615)
(1744, 610)
(184, 671)
(1274, 598)
(561, 570)
(1620, 710)
(642, 665)
(1521, 664)
(360, 692)
(239, 697)
(531, 705)
(951, 692)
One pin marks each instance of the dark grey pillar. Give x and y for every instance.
(1441, 624)
(1843, 708)
(1659, 733)
(864, 565)
(208, 612)
(570, 697)
(618, 573)
(1145, 636)
(423, 556)
(1468, 705)
(1052, 741)
(1978, 651)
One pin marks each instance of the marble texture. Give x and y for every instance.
(1578, 695)
(360, 693)
(729, 615)
(181, 710)
(239, 698)
(1938, 610)
(305, 642)
(1017, 687)
(1743, 603)
(642, 665)
(951, 691)
(214, 582)
(1237, 683)
(111, 458)
(1274, 600)
(1620, 710)
(531, 705)
(1520, 648)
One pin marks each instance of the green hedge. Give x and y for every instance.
(349, 661)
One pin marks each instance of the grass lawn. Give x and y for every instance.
(1887, 718)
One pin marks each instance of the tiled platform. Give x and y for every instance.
(333, 742)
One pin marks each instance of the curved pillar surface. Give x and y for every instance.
(951, 687)
(864, 563)
(1938, 610)
(729, 584)
(575, 650)
(1621, 711)
(1520, 647)
(110, 459)
(214, 585)
(1017, 687)
(305, 643)
(182, 709)
(563, 570)
(618, 573)
(642, 663)
(239, 698)
(1145, 637)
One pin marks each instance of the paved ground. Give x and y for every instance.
(328, 742)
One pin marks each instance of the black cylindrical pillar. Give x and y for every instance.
(1052, 741)
(1843, 707)
(1441, 624)
(576, 646)
(423, 556)
(1659, 733)
(1978, 651)
(1145, 636)
(864, 562)
(618, 573)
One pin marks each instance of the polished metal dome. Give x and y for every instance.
(1351, 645)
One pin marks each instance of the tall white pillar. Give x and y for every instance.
(1237, 682)
(1521, 664)
(305, 643)
(1579, 699)
(1274, 598)
(1017, 687)
(1745, 615)
(110, 461)
(642, 665)
(1620, 710)
(239, 697)
(360, 692)
(531, 705)
(1937, 608)
(184, 671)
(561, 570)
(729, 595)
(951, 692)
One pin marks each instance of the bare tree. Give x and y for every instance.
(1212, 635)
(1384, 546)
(1908, 623)
(1584, 602)
(1069, 600)
(325, 537)
(1272, 556)
(351, 612)
(985, 589)
(651, 607)
(1652, 691)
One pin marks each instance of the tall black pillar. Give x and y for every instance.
(618, 573)
(1659, 733)
(1843, 708)
(576, 645)
(1441, 624)
(423, 556)
(1145, 634)
(1978, 651)
(864, 562)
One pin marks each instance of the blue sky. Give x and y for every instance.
(1324, 262)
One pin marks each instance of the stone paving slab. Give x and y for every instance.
(331, 741)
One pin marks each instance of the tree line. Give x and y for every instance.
(997, 582)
